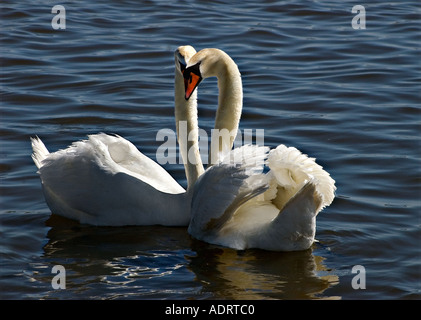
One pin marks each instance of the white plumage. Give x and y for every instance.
(106, 180)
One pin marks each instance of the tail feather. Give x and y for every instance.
(40, 152)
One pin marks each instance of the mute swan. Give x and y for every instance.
(283, 218)
(105, 180)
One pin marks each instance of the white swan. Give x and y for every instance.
(105, 180)
(283, 218)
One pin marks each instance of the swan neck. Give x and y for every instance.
(230, 103)
(187, 131)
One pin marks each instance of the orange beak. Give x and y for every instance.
(191, 83)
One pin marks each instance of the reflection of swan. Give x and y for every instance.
(247, 275)
(283, 217)
(130, 262)
(105, 180)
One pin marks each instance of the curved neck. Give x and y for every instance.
(230, 104)
(187, 131)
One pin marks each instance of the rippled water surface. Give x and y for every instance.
(350, 98)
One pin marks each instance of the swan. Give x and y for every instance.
(283, 217)
(106, 181)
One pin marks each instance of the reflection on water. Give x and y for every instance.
(132, 260)
(258, 274)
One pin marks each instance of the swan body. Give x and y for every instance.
(283, 217)
(105, 180)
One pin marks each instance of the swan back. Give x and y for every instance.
(116, 154)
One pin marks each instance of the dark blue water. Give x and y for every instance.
(350, 98)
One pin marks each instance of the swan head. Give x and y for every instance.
(182, 56)
(204, 64)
